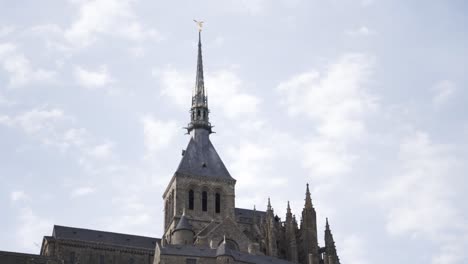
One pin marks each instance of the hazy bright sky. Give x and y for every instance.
(365, 100)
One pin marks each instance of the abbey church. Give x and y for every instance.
(201, 222)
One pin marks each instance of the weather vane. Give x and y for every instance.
(199, 24)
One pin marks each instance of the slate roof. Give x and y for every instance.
(110, 238)
(193, 251)
(23, 258)
(183, 224)
(188, 250)
(246, 215)
(201, 159)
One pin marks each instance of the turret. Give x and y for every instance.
(271, 231)
(183, 233)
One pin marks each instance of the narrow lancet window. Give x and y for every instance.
(190, 200)
(218, 203)
(205, 201)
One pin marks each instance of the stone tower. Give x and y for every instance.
(201, 185)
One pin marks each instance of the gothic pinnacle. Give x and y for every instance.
(308, 200)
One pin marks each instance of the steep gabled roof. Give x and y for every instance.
(201, 159)
(110, 238)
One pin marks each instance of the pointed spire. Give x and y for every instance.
(327, 226)
(199, 81)
(288, 214)
(199, 111)
(269, 204)
(308, 200)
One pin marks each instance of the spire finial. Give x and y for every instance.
(183, 211)
(199, 24)
(327, 226)
(269, 204)
(289, 208)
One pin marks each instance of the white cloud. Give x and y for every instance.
(223, 88)
(157, 134)
(93, 79)
(423, 191)
(107, 17)
(175, 85)
(361, 31)
(19, 68)
(339, 101)
(75, 136)
(82, 191)
(35, 120)
(249, 161)
(53, 128)
(101, 151)
(443, 92)
(18, 196)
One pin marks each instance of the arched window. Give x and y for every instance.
(198, 114)
(190, 200)
(218, 203)
(204, 201)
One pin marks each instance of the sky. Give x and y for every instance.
(365, 100)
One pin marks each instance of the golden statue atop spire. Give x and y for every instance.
(199, 24)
